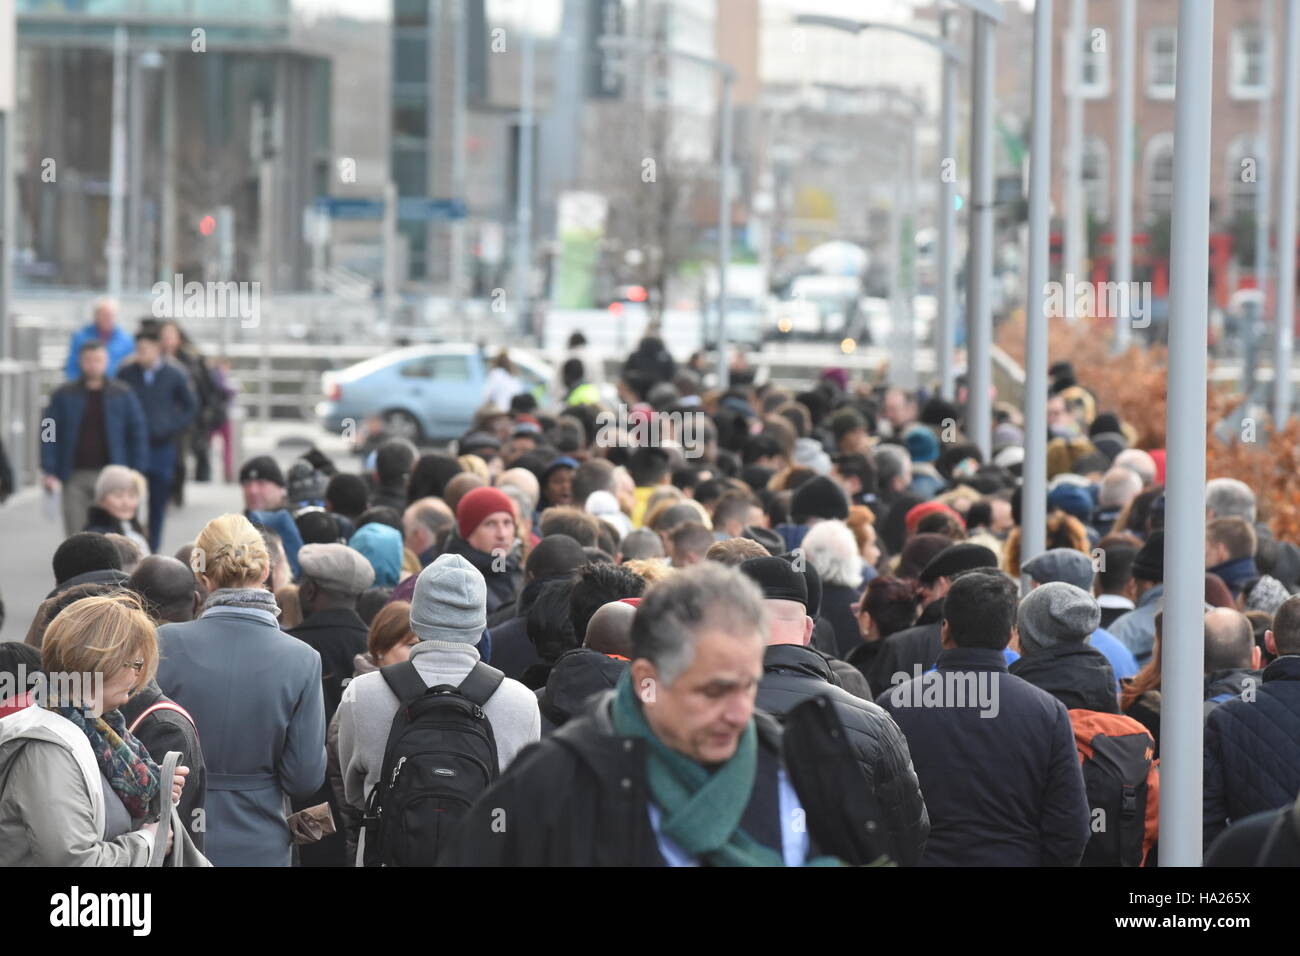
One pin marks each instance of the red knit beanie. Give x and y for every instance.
(475, 507)
(917, 512)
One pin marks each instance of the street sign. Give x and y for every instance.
(417, 208)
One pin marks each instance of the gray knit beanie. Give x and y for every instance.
(450, 602)
(1056, 613)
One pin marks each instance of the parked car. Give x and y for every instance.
(424, 393)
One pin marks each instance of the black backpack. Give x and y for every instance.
(1117, 770)
(441, 754)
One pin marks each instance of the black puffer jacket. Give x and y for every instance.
(793, 674)
(1252, 750)
(577, 675)
(1078, 675)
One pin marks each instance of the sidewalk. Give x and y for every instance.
(28, 539)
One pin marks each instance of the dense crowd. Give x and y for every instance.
(790, 629)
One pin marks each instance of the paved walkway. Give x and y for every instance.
(28, 538)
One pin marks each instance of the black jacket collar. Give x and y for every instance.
(797, 659)
(333, 617)
(1284, 668)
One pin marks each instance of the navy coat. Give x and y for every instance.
(1252, 750)
(255, 695)
(169, 406)
(124, 421)
(1003, 789)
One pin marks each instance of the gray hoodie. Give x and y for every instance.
(53, 805)
(365, 715)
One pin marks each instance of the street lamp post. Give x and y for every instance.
(1124, 167)
(1284, 315)
(979, 307)
(728, 76)
(1033, 509)
(524, 198)
(1182, 660)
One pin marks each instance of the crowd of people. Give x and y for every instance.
(792, 633)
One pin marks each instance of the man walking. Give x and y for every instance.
(104, 330)
(169, 406)
(90, 422)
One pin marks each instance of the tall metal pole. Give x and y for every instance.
(1264, 169)
(115, 247)
(1126, 42)
(8, 105)
(947, 219)
(1182, 660)
(979, 315)
(459, 97)
(1286, 218)
(1075, 229)
(724, 229)
(1033, 508)
(524, 207)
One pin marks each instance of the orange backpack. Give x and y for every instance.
(1123, 784)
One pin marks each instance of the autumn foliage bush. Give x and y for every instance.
(1134, 386)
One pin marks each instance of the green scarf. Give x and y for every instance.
(701, 807)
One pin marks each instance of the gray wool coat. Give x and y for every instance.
(256, 698)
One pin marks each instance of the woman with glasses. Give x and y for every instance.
(76, 788)
(255, 695)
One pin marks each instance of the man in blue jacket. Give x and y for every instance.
(104, 330)
(995, 755)
(169, 406)
(89, 423)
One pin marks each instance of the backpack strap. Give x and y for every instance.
(481, 683)
(404, 681)
(163, 705)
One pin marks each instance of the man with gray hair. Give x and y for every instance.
(1139, 462)
(675, 766)
(1118, 487)
(1230, 498)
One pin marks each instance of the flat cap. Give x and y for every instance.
(336, 567)
(1061, 564)
(778, 579)
(953, 561)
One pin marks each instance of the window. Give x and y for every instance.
(1245, 170)
(1162, 49)
(442, 368)
(1095, 57)
(1160, 175)
(1250, 68)
(1096, 176)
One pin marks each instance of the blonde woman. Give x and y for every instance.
(78, 788)
(255, 695)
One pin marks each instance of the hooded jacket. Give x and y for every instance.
(793, 674)
(576, 677)
(1222, 686)
(52, 799)
(1078, 675)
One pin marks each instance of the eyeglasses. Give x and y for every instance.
(136, 666)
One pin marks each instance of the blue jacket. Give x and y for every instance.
(119, 346)
(1003, 789)
(128, 432)
(256, 697)
(1252, 750)
(169, 404)
(1122, 661)
(1136, 630)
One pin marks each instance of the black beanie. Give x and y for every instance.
(778, 579)
(819, 497)
(811, 578)
(263, 467)
(1149, 564)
